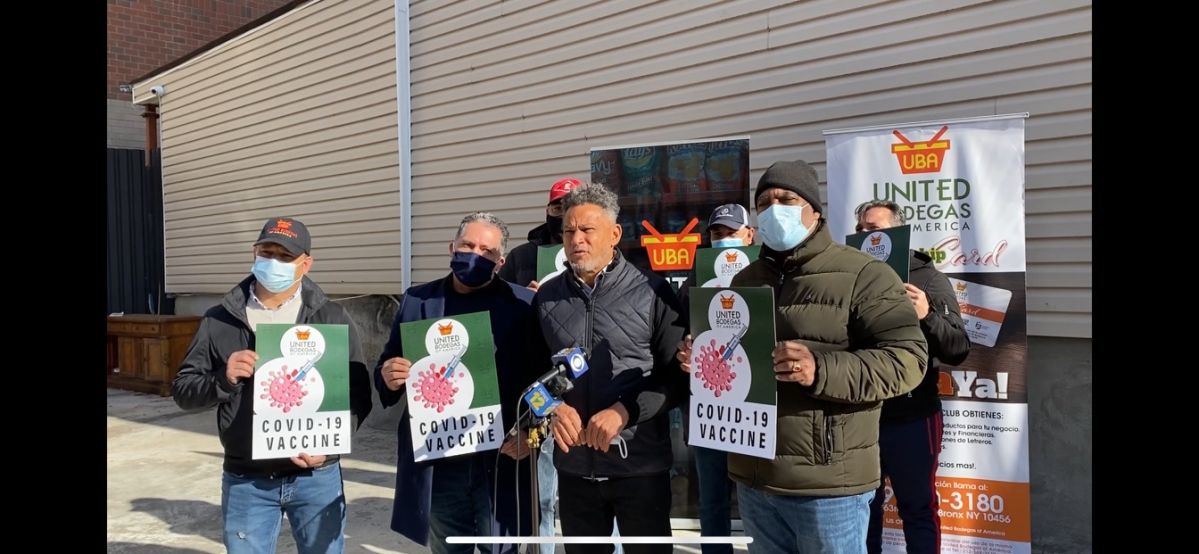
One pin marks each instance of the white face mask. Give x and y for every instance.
(782, 227)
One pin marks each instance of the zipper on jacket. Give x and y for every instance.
(778, 287)
(828, 439)
(587, 338)
(587, 298)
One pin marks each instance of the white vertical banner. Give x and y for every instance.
(960, 184)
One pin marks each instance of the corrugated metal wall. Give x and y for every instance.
(297, 117)
(126, 129)
(509, 96)
(134, 230)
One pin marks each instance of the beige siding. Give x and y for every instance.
(297, 117)
(508, 96)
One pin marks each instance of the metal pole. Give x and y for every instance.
(535, 505)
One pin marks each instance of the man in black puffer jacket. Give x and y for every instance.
(910, 425)
(218, 371)
(628, 320)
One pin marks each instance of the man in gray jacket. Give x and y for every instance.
(628, 321)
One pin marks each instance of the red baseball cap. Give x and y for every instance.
(562, 187)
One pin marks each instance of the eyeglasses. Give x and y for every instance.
(555, 209)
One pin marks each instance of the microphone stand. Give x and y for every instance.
(534, 494)
(568, 364)
(537, 428)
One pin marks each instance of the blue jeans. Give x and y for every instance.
(715, 488)
(315, 504)
(461, 504)
(804, 524)
(547, 489)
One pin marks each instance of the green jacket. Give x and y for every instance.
(851, 312)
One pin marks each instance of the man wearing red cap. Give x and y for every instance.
(522, 261)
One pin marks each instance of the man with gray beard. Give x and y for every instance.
(612, 432)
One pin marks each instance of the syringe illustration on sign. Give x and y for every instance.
(732, 378)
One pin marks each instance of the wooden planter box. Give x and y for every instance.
(145, 351)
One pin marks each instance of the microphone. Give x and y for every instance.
(574, 360)
(545, 394)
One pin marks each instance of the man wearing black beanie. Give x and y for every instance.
(848, 339)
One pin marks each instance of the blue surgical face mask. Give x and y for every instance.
(472, 269)
(272, 274)
(728, 242)
(782, 227)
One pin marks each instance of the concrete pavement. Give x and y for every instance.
(164, 483)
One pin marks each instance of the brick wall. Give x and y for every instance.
(144, 35)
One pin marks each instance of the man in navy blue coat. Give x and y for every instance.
(477, 494)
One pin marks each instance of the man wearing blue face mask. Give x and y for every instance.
(457, 496)
(217, 371)
(728, 227)
(848, 339)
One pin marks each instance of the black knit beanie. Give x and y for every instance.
(797, 177)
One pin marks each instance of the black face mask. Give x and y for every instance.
(554, 224)
(472, 269)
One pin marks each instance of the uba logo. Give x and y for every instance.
(671, 251)
(727, 302)
(920, 157)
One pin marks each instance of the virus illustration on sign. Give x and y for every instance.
(434, 390)
(715, 371)
(283, 390)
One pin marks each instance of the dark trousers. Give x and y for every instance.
(909, 452)
(641, 506)
(715, 491)
(461, 505)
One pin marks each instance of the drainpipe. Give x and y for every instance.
(151, 117)
(404, 120)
